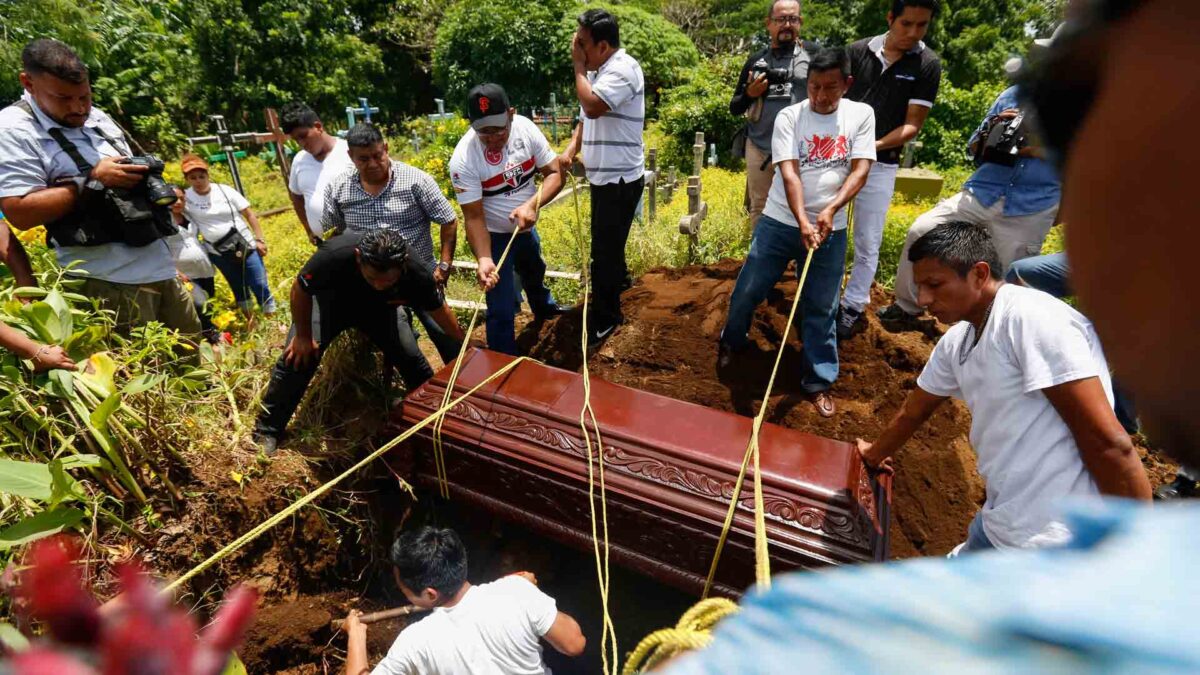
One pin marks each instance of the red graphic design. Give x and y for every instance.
(493, 156)
(484, 104)
(827, 148)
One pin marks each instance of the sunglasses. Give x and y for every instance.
(1059, 84)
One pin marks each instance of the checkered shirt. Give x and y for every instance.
(409, 203)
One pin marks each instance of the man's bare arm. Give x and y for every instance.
(914, 119)
(566, 636)
(1104, 447)
(39, 207)
(917, 408)
(12, 252)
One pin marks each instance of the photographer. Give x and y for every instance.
(772, 79)
(1014, 193)
(66, 165)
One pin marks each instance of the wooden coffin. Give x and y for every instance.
(515, 449)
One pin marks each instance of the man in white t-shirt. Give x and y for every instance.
(612, 99)
(490, 629)
(822, 148)
(321, 156)
(492, 171)
(1033, 374)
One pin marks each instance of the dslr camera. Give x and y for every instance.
(157, 189)
(774, 75)
(1002, 141)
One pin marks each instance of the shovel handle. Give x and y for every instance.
(374, 617)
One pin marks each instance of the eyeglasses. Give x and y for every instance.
(491, 131)
(1059, 85)
(786, 20)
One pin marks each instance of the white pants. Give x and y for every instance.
(870, 213)
(1015, 237)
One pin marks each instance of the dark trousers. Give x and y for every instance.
(203, 290)
(504, 300)
(613, 208)
(389, 328)
(447, 347)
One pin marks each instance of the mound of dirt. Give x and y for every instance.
(668, 345)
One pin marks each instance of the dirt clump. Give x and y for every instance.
(668, 345)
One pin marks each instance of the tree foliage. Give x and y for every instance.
(701, 104)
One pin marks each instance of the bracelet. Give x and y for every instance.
(38, 354)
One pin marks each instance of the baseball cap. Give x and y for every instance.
(487, 106)
(191, 163)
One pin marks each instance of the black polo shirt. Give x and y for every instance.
(913, 79)
(332, 273)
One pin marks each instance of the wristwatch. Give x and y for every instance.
(443, 266)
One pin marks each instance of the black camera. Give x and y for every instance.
(775, 75)
(1003, 140)
(157, 189)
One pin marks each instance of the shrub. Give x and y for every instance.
(701, 103)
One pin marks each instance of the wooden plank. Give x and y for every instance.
(554, 274)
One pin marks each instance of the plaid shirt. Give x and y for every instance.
(409, 203)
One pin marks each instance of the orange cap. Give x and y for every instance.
(191, 163)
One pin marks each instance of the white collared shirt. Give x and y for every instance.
(30, 160)
(612, 143)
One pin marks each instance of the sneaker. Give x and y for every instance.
(550, 311)
(1180, 488)
(597, 336)
(823, 402)
(894, 318)
(850, 322)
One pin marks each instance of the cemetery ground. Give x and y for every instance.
(186, 437)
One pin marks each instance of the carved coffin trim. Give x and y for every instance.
(851, 528)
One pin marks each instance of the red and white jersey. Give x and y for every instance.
(504, 179)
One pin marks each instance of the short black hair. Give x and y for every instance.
(384, 249)
(602, 26)
(958, 245)
(363, 135)
(931, 5)
(771, 7)
(831, 58)
(297, 114)
(430, 558)
(45, 56)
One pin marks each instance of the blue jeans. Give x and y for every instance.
(247, 277)
(505, 297)
(773, 246)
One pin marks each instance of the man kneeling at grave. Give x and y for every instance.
(354, 280)
(823, 149)
(473, 630)
(1031, 370)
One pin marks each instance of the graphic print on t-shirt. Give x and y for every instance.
(514, 175)
(826, 151)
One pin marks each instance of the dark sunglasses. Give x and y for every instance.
(1059, 84)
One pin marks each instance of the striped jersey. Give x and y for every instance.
(504, 179)
(612, 143)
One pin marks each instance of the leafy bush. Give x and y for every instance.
(437, 141)
(701, 103)
(952, 121)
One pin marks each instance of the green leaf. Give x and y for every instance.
(25, 479)
(142, 383)
(99, 372)
(60, 383)
(44, 321)
(82, 461)
(30, 292)
(235, 666)
(63, 310)
(39, 525)
(62, 486)
(99, 417)
(13, 640)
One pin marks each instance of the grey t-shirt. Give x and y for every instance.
(778, 96)
(31, 160)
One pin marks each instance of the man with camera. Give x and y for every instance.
(66, 165)
(772, 79)
(1014, 192)
(898, 76)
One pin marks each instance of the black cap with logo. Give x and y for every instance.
(487, 106)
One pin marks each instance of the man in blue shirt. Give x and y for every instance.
(1018, 204)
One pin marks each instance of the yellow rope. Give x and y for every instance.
(439, 456)
(608, 633)
(300, 503)
(694, 631)
(762, 563)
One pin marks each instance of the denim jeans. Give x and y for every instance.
(977, 539)
(773, 246)
(504, 298)
(247, 277)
